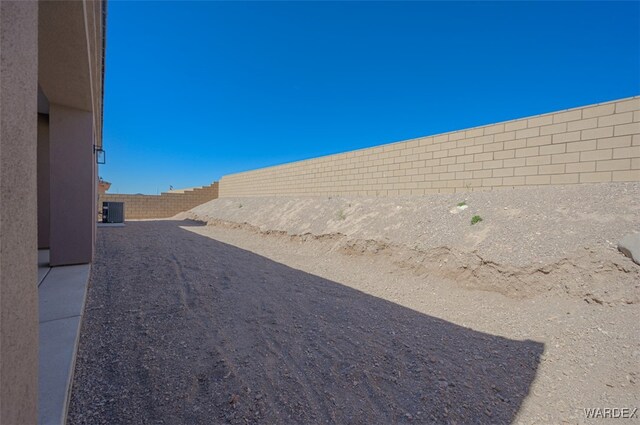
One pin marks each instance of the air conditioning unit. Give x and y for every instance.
(113, 212)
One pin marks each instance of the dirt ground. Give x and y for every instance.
(242, 322)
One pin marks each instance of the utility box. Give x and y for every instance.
(113, 212)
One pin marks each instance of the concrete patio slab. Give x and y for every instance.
(42, 273)
(63, 291)
(110, 224)
(43, 264)
(58, 343)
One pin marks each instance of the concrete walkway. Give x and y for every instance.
(62, 292)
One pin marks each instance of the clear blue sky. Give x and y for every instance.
(196, 90)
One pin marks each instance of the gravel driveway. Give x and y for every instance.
(181, 328)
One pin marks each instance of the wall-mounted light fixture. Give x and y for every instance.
(101, 156)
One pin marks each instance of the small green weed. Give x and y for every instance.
(462, 204)
(475, 219)
(341, 215)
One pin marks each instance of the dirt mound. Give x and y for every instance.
(520, 227)
(602, 277)
(557, 240)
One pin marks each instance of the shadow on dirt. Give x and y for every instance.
(181, 328)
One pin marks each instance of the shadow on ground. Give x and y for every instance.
(181, 328)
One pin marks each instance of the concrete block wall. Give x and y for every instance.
(595, 143)
(163, 205)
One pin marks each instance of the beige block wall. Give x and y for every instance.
(161, 206)
(595, 143)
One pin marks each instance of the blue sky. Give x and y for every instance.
(197, 90)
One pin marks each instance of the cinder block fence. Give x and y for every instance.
(163, 205)
(595, 143)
